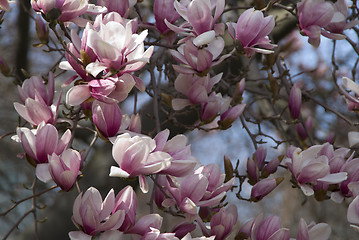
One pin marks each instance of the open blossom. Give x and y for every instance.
(223, 222)
(64, 10)
(42, 142)
(92, 215)
(312, 166)
(135, 156)
(251, 31)
(313, 16)
(123, 52)
(264, 228)
(182, 161)
(39, 105)
(109, 90)
(313, 231)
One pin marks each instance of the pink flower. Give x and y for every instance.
(63, 10)
(251, 30)
(121, 53)
(4, 5)
(313, 15)
(92, 215)
(42, 142)
(222, 223)
(135, 157)
(182, 161)
(164, 9)
(295, 101)
(126, 200)
(107, 118)
(109, 90)
(263, 188)
(229, 116)
(267, 228)
(63, 169)
(120, 6)
(313, 231)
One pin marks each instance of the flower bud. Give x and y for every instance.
(295, 101)
(42, 30)
(107, 118)
(237, 96)
(263, 188)
(229, 116)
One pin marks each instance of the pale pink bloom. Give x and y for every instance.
(109, 90)
(189, 237)
(198, 60)
(120, 6)
(42, 142)
(132, 124)
(145, 223)
(339, 21)
(263, 188)
(63, 10)
(198, 17)
(353, 213)
(117, 48)
(164, 9)
(135, 156)
(196, 89)
(222, 223)
(263, 229)
(107, 118)
(126, 200)
(62, 169)
(177, 147)
(251, 31)
(295, 101)
(92, 215)
(4, 5)
(313, 16)
(35, 86)
(311, 167)
(155, 234)
(320, 231)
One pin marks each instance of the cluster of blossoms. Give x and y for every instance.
(106, 58)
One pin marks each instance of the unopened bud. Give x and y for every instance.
(264, 187)
(229, 116)
(42, 30)
(295, 101)
(237, 96)
(228, 168)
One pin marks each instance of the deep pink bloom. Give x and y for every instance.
(120, 6)
(251, 31)
(42, 142)
(92, 215)
(263, 229)
(313, 16)
(222, 223)
(107, 118)
(126, 200)
(164, 9)
(135, 157)
(263, 188)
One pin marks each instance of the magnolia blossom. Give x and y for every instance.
(182, 161)
(263, 188)
(196, 89)
(135, 156)
(311, 166)
(295, 101)
(64, 10)
(197, 59)
(313, 15)
(120, 6)
(222, 223)
(92, 215)
(109, 90)
(229, 116)
(4, 5)
(264, 228)
(126, 201)
(117, 48)
(39, 105)
(42, 142)
(320, 231)
(164, 9)
(62, 169)
(251, 31)
(107, 118)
